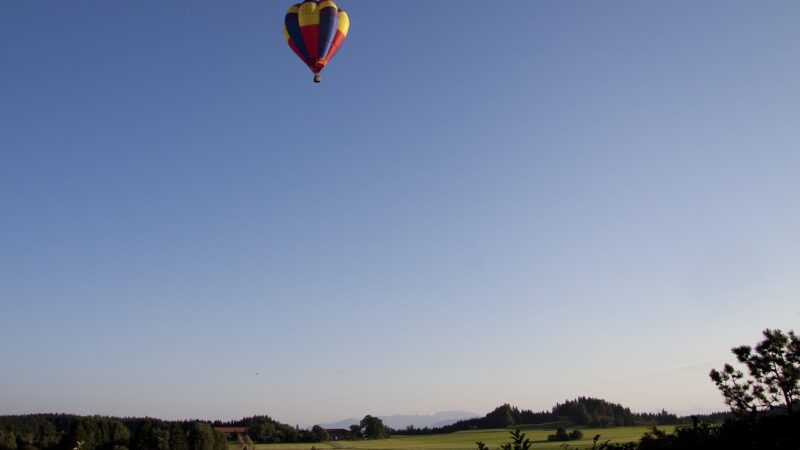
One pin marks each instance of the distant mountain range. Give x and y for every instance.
(401, 421)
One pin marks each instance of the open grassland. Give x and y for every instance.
(465, 440)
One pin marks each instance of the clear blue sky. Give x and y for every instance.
(482, 203)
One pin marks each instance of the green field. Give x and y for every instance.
(465, 440)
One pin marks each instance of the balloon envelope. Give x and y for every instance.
(315, 30)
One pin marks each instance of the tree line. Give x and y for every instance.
(69, 432)
(583, 411)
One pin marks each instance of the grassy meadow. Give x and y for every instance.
(465, 440)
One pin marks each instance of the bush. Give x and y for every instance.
(562, 435)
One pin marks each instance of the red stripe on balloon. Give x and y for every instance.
(311, 39)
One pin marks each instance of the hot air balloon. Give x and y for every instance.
(315, 30)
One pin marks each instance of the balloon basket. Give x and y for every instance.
(317, 79)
